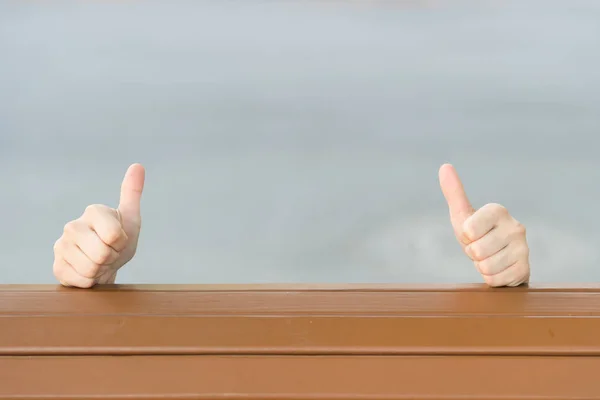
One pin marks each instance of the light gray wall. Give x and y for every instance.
(300, 141)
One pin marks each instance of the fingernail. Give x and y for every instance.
(465, 239)
(468, 251)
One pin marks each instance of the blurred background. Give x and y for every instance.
(300, 141)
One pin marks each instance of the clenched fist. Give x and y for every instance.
(93, 247)
(490, 236)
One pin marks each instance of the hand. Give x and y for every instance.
(93, 247)
(490, 236)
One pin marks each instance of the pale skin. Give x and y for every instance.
(96, 245)
(494, 240)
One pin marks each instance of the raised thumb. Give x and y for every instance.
(131, 196)
(458, 203)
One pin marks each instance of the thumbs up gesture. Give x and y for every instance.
(93, 247)
(490, 236)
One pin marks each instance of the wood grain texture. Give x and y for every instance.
(299, 377)
(38, 335)
(299, 342)
(225, 300)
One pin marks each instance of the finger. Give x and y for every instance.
(67, 276)
(515, 275)
(131, 195)
(458, 203)
(106, 224)
(80, 262)
(483, 221)
(96, 250)
(503, 259)
(491, 243)
(87, 253)
(70, 253)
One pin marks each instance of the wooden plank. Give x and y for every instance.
(300, 377)
(398, 302)
(299, 342)
(143, 334)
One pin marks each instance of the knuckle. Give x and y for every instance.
(101, 256)
(91, 271)
(485, 267)
(476, 251)
(469, 229)
(70, 227)
(93, 209)
(495, 211)
(520, 229)
(62, 247)
(58, 245)
(112, 235)
(498, 208)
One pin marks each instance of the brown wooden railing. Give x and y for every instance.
(299, 342)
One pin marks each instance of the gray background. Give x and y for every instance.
(300, 141)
